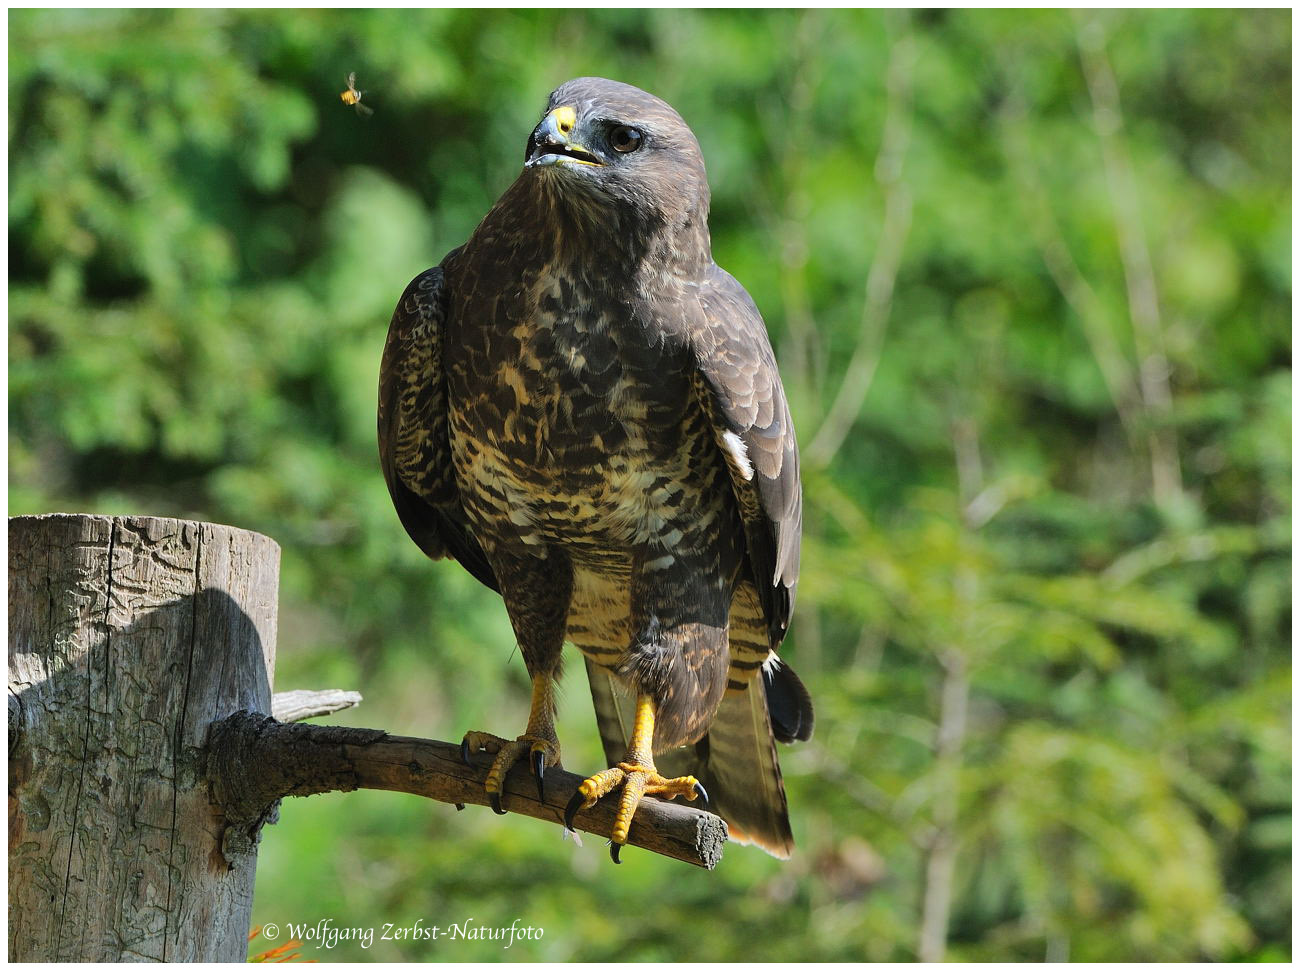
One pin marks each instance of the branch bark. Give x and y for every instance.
(302, 760)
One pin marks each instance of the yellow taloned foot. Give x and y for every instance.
(637, 781)
(638, 777)
(543, 752)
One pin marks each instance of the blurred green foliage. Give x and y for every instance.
(1029, 278)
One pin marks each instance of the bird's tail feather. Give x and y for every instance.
(614, 711)
(736, 760)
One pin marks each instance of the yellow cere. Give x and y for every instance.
(565, 118)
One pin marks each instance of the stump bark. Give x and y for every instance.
(128, 637)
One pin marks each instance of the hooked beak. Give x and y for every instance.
(550, 142)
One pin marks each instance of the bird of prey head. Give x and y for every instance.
(607, 143)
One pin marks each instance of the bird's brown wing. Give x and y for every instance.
(736, 760)
(414, 447)
(742, 393)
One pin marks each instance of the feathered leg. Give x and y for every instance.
(538, 604)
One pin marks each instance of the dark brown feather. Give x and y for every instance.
(413, 445)
(744, 396)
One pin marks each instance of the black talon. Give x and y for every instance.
(539, 769)
(701, 792)
(464, 751)
(571, 809)
(460, 807)
(495, 798)
(613, 851)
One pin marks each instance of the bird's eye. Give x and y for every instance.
(625, 139)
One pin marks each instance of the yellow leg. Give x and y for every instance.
(539, 739)
(638, 777)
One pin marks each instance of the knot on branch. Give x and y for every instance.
(254, 761)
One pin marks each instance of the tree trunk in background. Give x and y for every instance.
(128, 637)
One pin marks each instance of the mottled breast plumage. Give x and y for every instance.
(577, 428)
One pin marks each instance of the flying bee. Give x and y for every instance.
(352, 96)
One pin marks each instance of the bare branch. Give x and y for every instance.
(1064, 269)
(1143, 300)
(787, 131)
(879, 296)
(255, 760)
(296, 706)
(950, 738)
(941, 855)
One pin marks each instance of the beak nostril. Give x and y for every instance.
(565, 119)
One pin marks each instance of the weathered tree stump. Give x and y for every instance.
(143, 758)
(128, 637)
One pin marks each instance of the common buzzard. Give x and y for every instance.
(583, 408)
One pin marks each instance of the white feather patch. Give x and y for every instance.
(738, 453)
